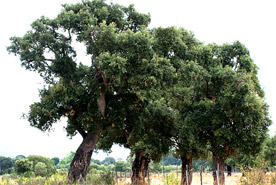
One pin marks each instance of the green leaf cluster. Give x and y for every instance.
(23, 165)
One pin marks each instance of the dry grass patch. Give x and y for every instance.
(207, 178)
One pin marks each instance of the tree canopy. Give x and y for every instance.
(49, 164)
(40, 169)
(23, 165)
(108, 160)
(6, 164)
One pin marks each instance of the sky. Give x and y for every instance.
(214, 21)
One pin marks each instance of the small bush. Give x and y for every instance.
(257, 176)
(102, 179)
(29, 174)
(62, 171)
(108, 178)
(41, 169)
(23, 165)
(171, 179)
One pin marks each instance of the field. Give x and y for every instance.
(207, 178)
(155, 179)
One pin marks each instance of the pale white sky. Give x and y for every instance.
(250, 21)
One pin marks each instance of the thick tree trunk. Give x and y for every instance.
(81, 161)
(79, 165)
(139, 169)
(186, 162)
(218, 162)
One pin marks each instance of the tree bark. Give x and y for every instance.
(186, 162)
(139, 169)
(79, 165)
(81, 161)
(218, 161)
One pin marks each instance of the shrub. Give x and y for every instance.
(256, 176)
(102, 179)
(23, 165)
(40, 169)
(108, 178)
(48, 162)
(62, 171)
(29, 174)
(171, 179)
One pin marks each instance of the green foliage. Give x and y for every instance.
(270, 150)
(123, 63)
(170, 160)
(154, 167)
(110, 34)
(107, 178)
(20, 157)
(171, 179)
(162, 84)
(96, 161)
(6, 165)
(62, 171)
(55, 160)
(31, 179)
(23, 165)
(144, 78)
(99, 168)
(40, 169)
(29, 174)
(171, 168)
(207, 165)
(247, 160)
(35, 159)
(220, 104)
(239, 113)
(122, 166)
(230, 161)
(179, 45)
(119, 166)
(66, 161)
(256, 175)
(108, 161)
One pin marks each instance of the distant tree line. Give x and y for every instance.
(43, 166)
(27, 166)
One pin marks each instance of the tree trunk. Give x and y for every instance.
(79, 165)
(229, 170)
(186, 162)
(139, 169)
(218, 162)
(81, 161)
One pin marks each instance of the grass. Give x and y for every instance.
(171, 180)
(57, 179)
(253, 177)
